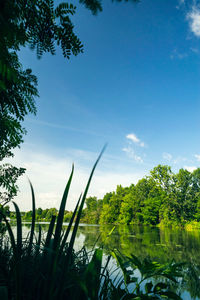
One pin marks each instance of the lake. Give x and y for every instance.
(160, 244)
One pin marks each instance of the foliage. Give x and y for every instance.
(32, 268)
(43, 215)
(6, 211)
(91, 213)
(42, 25)
(8, 177)
(50, 269)
(160, 198)
(148, 270)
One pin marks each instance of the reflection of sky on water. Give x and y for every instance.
(160, 245)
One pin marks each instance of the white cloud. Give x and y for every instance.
(194, 20)
(190, 168)
(60, 126)
(49, 175)
(179, 160)
(197, 156)
(167, 156)
(142, 144)
(133, 138)
(194, 50)
(178, 55)
(131, 153)
(180, 3)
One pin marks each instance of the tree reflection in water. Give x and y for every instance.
(159, 244)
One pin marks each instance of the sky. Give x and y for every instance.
(135, 87)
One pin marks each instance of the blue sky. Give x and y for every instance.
(136, 86)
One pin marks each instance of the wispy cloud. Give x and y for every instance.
(179, 160)
(194, 50)
(190, 168)
(193, 17)
(167, 156)
(180, 4)
(49, 174)
(133, 138)
(197, 156)
(131, 153)
(60, 126)
(178, 55)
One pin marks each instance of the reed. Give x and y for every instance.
(50, 269)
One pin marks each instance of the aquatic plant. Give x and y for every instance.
(48, 268)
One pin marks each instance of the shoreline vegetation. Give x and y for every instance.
(48, 267)
(161, 199)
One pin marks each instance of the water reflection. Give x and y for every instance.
(159, 244)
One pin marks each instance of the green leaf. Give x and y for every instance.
(49, 234)
(71, 244)
(170, 295)
(122, 264)
(91, 278)
(19, 231)
(160, 286)
(61, 213)
(69, 227)
(32, 221)
(148, 287)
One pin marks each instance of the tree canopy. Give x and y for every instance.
(42, 25)
(174, 199)
(162, 197)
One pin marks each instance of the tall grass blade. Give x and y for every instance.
(69, 227)
(103, 279)
(39, 236)
(11, 235)
(19, 230)
(57, 236)
(49, 233)
(71, 244)
(33, 220)
(18, 254)
(38, 241)
(106, 266)
(61, 212)
(47, 259)
(93, 274)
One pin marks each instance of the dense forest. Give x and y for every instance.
(163, 197)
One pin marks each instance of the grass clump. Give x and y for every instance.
(49, 269)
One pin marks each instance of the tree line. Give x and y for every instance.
(40, 214)
(162, 197)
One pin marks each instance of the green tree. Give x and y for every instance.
(28, 215)
(51, 212)
(41, 25)
(111, 211)
(91, 213)
(185, 198)
(91, 204)
(162, 175)
(67, 216)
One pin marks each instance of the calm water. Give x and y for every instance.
(161, 245)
